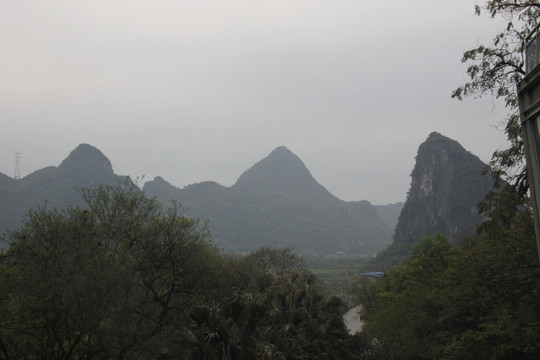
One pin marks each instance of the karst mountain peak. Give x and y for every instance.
(278, 203)
(447, 184)
(280, 171)
(86, 156)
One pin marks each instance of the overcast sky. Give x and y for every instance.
(201, 90)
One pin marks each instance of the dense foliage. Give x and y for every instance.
(126, 278)
(478, 300)
(495, 69)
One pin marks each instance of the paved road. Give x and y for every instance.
(352, 320)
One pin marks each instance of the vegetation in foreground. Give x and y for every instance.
(478, 300)
(127, 278)
(130, 279)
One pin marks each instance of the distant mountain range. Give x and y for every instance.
(274, 203)
(278, 203)
(390, 213)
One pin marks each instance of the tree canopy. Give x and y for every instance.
(478, 299)
(128, 278)
(496, 68)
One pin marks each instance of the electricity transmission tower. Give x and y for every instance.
(18, 165)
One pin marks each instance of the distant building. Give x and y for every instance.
(372, 274)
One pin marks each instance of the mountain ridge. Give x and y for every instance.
(275, 203)
(278, 203)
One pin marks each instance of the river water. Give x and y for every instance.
(352, 320)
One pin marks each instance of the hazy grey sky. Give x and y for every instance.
(201, 90)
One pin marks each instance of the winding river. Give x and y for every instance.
(352, 320)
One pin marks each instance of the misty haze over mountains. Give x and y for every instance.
(277, 202)
(274, 203)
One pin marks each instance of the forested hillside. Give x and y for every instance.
(275, 203)
(126, 278)
(476, 300)
(390, 213)
(278, 203)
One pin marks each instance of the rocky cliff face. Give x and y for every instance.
(447, 184)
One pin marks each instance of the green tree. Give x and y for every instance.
(115, 280)
(127, 278)
(496, 68)
(286, 318)
(478, 300)
(400, 311)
